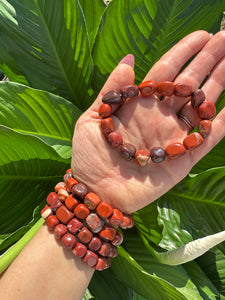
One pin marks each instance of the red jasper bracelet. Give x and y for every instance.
(206, 111)
(84, 223)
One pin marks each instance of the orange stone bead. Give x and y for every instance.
(52, 197)
(165, 88)
(204, 128)
(107, 233)
(64, 215)
(107, 125)
(90, 258)
(105, 110)
(81, 211)
(68, 240)
(92, 200)
(115, 139)
(103, 264)
(147, 88)
(193, 140)
(175, 150)
(104, 210)
(182, 90)
(51, 222)
(80, 250)
(71, 202)
(116, 218)
(142, 157)
(207, 110)
(70, 183)
(60, 230)
(74, 225)
(125, 223)
(84, 235)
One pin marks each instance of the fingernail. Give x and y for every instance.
(211, 35)
(128, 60)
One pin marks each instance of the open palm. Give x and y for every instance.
(149, 122)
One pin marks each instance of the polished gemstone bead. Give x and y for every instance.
(90, 258)
(92, 200)
(59, 186)
(157, 154)
(112, 97)
(60, 230)
(107, 125)
(64, 214)
(118, 239)
(125, 223)
(67, 176)
(207, 110)
(102, 264)
(115, 139)
(68, 170)
(62, 194)
(193, 140)
(71, 202)
(129, 91)
(105, 110)
(105, 249)
(94, 222)
(46, 212)
(80, 190)
(52, 197)
(55, 205)
(197, 98)
(107, 233)
(127, 151)
(68, 240)
(113, 252)
(51, 222)
(175, 150)
(70, 183)
(182, 90)
(165, 88)
(104, 210)
(81, 211)
(204, 128)
(74, 225)
(95, 244)
(142, 157)
(147, 88)
(116, 217)
(84, 235)
(80, 250)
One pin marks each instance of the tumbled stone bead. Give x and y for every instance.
(52, 197)
(105, 249)
(107, 233)
(70, 183)
(60, 230)
(59, 186)
(193, 140)
(105, 110)
(207, 110)
(85, 235)
(95, 244)
(67, 176)
(81, 211)
(90, 258)
(55, 205)
(157, 154)
(126, 221)
(46, 212)
(131, 221)
(118, 239)
(92, 200)
(64, 214)
(204, 128)
(142, 157)
(94, 222)
(182, 90)
(113, 252)
(147, 88)
(62, 194)
(80, 250)
(112, 97)
(104, 210)
(74, 225)
(80, 190)
(165, 88)
(175, 150)
(107, 125)
(103, 264)
(116, 217)
(51, 222)
(129, 91)
(115, 139)
(68, 240)
(69, 170)
(71, 202)
(197, 98)
(127, 151)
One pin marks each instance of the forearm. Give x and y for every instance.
(45, 270)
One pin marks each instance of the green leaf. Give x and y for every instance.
(93, 11)
(39, 113)
(151, 28)
(45, 43)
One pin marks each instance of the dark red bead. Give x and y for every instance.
(81, 211)
(207, 110)
(125, 223)
(118, 239)
(92, 200)
(107, 233)
(55, 205)
(85, 235)
(175, 150)
(70, 183)
(182, 90)
(52, 197)
(107, 125)
(193, 140)
(64, 214)
(51, 222)
(127, 151)
(80, 250)
(69, 240)
(74, 225)
(157, 154)
(67, 176)
(79, 190)
(102, 264)
(113, 252)
(60, 230)
(204, 128)
(104, 209)
(147, 88)
(165, 88)
(116, 217)
(112, 97)
(115, 139)
(105, 249)
(95, 244)
(197, 98)
(94, 222)
(129, 91)
(105, 110)
(90, 258)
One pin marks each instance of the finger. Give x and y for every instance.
(195, 73)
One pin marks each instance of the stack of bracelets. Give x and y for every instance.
(206, 111)
(84, 223)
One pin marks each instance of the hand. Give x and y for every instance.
(148, 122)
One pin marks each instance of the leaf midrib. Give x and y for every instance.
(44, 135)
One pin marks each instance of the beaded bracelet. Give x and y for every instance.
(206, 111)
(84, 223)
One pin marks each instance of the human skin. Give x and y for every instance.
(44, 269)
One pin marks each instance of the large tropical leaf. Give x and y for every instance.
(148, 29)
(45, 43)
